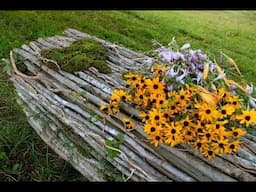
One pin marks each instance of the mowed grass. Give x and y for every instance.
(23, 156)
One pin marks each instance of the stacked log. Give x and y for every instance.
(63, 109)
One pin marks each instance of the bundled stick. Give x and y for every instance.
(66, 106)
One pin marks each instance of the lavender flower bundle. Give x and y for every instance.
(189, 66)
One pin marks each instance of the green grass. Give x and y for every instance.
(233, 32)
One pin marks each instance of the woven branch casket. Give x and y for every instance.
(66, 121)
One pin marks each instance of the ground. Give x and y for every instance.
(23, 156)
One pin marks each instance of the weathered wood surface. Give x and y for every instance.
(65, 121)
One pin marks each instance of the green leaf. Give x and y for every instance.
(15, 167)
(80, 94)
(3, 156)
(111, 153)
(120, 137)
(115, 144)
(94, 118)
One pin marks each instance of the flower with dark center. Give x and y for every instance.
(152, 129)
(247, 117)
(223, 112)
(123, 97)
(186, 123)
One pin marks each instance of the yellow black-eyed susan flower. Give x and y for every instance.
(128, 123)
(220, 146)
(173, 134)
(152, 128)
(236, 132)
(156, 115)
(103, 107)
(140, 97)
(145, 116)
(156, 138)
(209, 153)
(227, 110)
(155, 86)
(233, 147)
(234, 101)
(159, 70)
(248, 117)
(161, 102)
(200, 144)
(207, 112)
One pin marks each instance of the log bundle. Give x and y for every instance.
(63, 108)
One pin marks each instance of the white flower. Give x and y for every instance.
(185, 46)
(249, 89)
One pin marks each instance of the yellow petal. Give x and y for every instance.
(208, 97)
(232, 62)
(103, 107)
(206, 70)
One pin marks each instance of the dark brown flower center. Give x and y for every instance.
(208, 135)
(157, 138)
(221, 145)
(134, 78)
(123, 97)
(217, 126)
(173, 131)
(161, 102)
(199, 130)
(235, 133)
(196, 115)
(232, 146)
(157, 117)
(208, 111)
(182, 97)
(210, 153)
(199, 145)
(247, 118)
(185, 124)
(155, 86)
(223, 112)
(234, 103)
(146, 117)
(141, 96)
(166, 115)
(173, 107)
(152, 129)
(189, 133)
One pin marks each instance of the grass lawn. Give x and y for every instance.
(23, 156)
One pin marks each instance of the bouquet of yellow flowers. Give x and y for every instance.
(187, 98)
